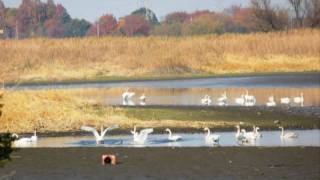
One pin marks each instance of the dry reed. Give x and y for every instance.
(91, 57)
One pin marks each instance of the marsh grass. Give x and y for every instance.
(67, 110)
(94, 58)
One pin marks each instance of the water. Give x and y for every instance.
(284, 80)
(192, 96)
(227, 139)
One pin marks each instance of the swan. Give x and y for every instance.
(211, 138)
(240, 100)
(257, 133)
(285, 100)
(206, 100)
(222, 101)
(173, 137)
(127, 95)
(271, 102)
(249, 100)
(142, 136)
(240, 136)
(99, 137)
(287, 134)
(32, 139)
(250, 135)
(299, 99)
(143, 100)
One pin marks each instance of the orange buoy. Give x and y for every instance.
(109, 159)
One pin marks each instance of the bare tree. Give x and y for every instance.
(299, 11)
(268, 18)
(312, 9)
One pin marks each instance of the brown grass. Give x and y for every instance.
(89, 58)
(62, 110)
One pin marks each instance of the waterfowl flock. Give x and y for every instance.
(243, 100)
(242, 137)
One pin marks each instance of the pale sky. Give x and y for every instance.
(92, 9)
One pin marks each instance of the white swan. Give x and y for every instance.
(33, 138)
(240, 100)
(222, 101)
(249, 100)
(127, 95)
(99, 137)
(250, 135)
(271, 102)
(285, 100)
(299, 99)
(257, 133)
(211, 138)
(287, 134)
(142, 136)
(143, 100)
(240, 136)
(173, 137)
(206, 100)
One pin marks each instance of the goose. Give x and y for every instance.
(222, 101)
(32, 139)
(141, 137)
(206, 100)
(285, 100)
(173, 137)
(287, 134)
(211, 138)
(299, 99)
(271, 102)
(240, 136)
(127, 95)
(240, 100)
(99, 137)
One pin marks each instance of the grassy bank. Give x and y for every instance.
(66, 111)
(147, 57)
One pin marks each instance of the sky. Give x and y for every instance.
(91, 10)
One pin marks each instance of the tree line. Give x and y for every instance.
(34, 18)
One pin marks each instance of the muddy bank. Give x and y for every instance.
(165, 163)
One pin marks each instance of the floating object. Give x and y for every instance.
(173, 137)
(99, 137)
(287, 134)
(206, 100)
(299, 99)
(108, 159)
(271, 102)
(211, 138)
(141, 137)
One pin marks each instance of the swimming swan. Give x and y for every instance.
(287, 134)
(211, 138)
(173, 137)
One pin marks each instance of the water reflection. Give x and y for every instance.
(268, 139)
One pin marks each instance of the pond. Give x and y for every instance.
(227, 139)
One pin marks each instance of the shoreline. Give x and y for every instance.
(122, 79)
